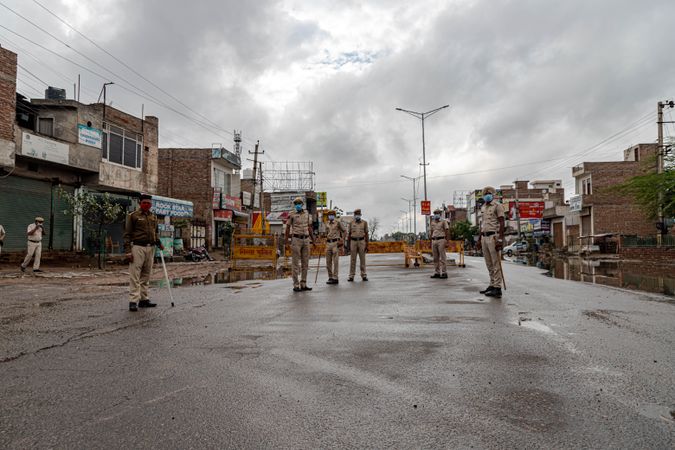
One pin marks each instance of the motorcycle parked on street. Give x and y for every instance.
(198, 254)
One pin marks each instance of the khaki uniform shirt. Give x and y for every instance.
(438, 229)
(299, 223)
(37, 236)
(358, 229)
(491, 214)
(334, 230)
(140, 228)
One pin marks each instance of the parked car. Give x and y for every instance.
(518, 246)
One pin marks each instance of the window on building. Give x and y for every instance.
(222, 180)
(122, 147)
(586, 185)
(46, 126)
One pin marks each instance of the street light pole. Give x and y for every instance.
(410, 214)
(414, 180)
(422, 116)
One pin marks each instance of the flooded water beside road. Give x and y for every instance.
(621, 274)
(222, 277)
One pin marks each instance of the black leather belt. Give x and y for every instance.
(33, 240)
(437, 238)
(489, 233)
(330, 241)
(300, 236)
(357, 239)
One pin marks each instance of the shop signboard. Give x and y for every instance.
(89, 136)
(171, 207)
(426, 207)
(575, 203)
(231, 202)
(46, 149)
(321, 200)
(528, 210)
(216, 198)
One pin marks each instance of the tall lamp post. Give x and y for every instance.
(414, 180)
(410, 215)
(422, 116)
(406, 221)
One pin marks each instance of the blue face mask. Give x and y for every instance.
(298, 208)
(437, 217)
(358, 218)
(487, 197)
(331, 218)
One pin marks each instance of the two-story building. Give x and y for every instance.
(209, 178)
(55, 144)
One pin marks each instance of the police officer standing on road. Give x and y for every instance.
(335, 237)
(358, 241)
(439, 234)
(140, 239)
(34, 233)
(299, 233)
(491, 240)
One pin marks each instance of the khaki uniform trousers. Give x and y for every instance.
(300, 252)
(357, 248)
(489, 246)
(438, 250)
(139, 272)
(34, 250)
(333, 259)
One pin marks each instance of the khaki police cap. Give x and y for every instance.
(298, 200)
(39, 219)
(357, 211)
(437, 211)
(330, 212)
(489, 189)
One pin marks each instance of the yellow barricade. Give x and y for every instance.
(254, 248)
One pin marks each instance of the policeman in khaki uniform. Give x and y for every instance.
(439, 234)
(358, 241)
(335, 236)
(140, 239)
(491, 240)
(34, 233)
(299, 233)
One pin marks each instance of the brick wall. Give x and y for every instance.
(8, 62)
(186, 175)
(652, 255)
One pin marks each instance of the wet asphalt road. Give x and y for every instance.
(401, 361)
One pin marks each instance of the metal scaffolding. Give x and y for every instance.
(289, 176)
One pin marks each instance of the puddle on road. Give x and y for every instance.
(223, 277)
(621, 274)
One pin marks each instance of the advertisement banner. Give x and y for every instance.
(169, 207)
(216, 198)
(426, 207)
(46, 149)
(321, 200)
(528, 210)
(575, 203)
(89, 136)
(231, 202)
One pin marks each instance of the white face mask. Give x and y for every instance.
(331, 218)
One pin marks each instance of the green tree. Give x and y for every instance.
(645, 189)
(97, 210)
(460, 231)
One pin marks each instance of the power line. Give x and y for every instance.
(33, 75)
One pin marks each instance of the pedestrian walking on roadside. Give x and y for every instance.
(440, 232)
(140, 240)
(2, 238)
(335, 238)
(34, 232)
(491, 240)
(300, 235)
(358, 242)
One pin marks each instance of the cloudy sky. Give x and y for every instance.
(534, 87)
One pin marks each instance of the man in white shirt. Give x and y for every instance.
(34, 233)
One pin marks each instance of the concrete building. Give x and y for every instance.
(596, 209)
(454, 215)
(210, 179)
(53, 144)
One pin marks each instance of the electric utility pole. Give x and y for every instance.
(255, 169)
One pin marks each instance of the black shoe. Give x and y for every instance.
(350, 279)
(297, 289)
(306, 288)
(336, 281)
(332, 281)
(364, 279)
(23, 269)
(486, 290)
(133, 306)
(444, 275)
(146, 304)
(37, 270)
(495, 292)
(435, 276)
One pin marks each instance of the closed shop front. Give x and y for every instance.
(21, 200)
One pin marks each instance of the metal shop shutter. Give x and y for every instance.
(21, 200)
